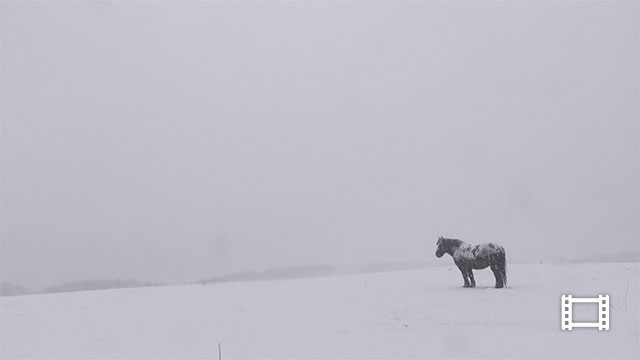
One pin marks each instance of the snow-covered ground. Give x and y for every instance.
(415, 313)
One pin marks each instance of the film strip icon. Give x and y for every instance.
(603, 312)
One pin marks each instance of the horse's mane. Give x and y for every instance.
(449, 241)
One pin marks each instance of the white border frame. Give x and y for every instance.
(603, 312)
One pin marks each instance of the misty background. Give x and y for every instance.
(171, 142)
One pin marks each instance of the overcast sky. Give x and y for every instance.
(175, 141)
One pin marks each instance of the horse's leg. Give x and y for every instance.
(503, 272)
(498, 274)
(503, 267)
(473, 281)
(464, 277)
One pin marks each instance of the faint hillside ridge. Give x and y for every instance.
(633, 256)
(311, 271)
(87, 285)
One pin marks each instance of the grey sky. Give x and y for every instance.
(174, 141)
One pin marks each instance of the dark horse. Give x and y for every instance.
(468, 257)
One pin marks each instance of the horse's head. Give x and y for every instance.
(440, 250)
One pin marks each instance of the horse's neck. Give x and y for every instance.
(454, 245)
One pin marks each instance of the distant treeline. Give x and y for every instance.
(13, 289)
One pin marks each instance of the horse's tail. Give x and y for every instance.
(504, 268)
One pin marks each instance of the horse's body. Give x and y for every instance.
(469, 257)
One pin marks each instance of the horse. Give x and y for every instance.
(468, 257)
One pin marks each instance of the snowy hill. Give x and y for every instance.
(410, 313)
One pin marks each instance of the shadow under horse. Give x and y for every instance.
(469, 257)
